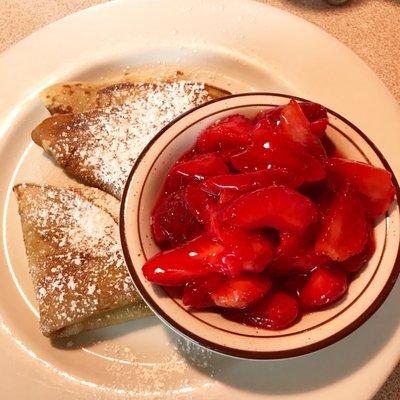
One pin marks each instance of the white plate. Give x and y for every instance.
(240, 45)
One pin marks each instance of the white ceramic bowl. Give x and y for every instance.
(209, 329)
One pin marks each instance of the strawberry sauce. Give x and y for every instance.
(263, 220)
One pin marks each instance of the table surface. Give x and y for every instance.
(371, 28)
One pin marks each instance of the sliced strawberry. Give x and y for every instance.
(319, 192)
(276, 207)
(325, 286)
(214, 227)
(262, 132)
(318, 127)
(344, 229)
(199, 202)
(229, 133)
(313, 111)
(249, 181)
(262, 252)
(295, 126)
(308, 260)
(291, 244)
(249, 251)
(355, 263)
(227, 196)
(183, 264)
(201, 167)
(273, 150)
(172, 223)
(278, 310)
(242, 251)
(241, 291)
(197, 294)
(230, 187)
(228, 263)
(303, 262)
(271, 115)
(295, 253)
(294, 283)
(374, 184)
(315, 114)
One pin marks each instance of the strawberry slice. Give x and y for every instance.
(261, 252)
(344, 229)
(295, 126)
(273, 150)
(249, 181)
(374, 184)
(230, 187)
(318, 128)
(183, 264)
(201, 167)
(241, 291)
(293, 283)
(317, 116)
(271, 115)
(247, 251)
(355, 263)
(197, 294)
(227, 196)
(303, 262)
(291, 244)
(214, 227)
(171, 221)
(228, 263)
(296, 253)
(313, 111)
(242, 251)
(278, 310)
(199, 202)
(191, 167)
(325, 286)
(229, 133)
(277, 207)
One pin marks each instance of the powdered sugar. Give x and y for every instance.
(170, 375)
(76, 263)
(111, 139)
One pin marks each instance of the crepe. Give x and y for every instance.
(100, 146)
(78, 272)
(77, 97)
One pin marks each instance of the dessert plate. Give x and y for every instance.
(238, 45)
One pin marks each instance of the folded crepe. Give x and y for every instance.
(78, 272)
(107, 128)
(77, 97)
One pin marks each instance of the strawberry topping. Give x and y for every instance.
(262, 221)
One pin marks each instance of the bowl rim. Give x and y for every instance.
(224, 349)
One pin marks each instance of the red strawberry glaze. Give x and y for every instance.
(264, 220)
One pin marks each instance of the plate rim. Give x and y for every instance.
(387, 355)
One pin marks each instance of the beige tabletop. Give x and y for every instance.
(369, 27)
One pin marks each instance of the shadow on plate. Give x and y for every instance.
(304, 373)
